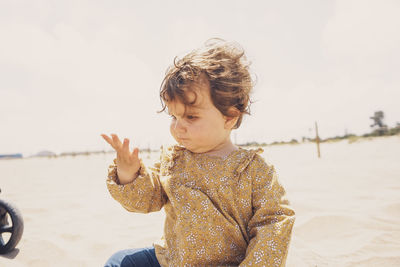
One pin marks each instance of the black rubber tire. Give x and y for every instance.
(17, 226)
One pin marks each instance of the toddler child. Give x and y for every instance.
(224, 204)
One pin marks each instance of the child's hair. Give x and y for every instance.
(226, 69)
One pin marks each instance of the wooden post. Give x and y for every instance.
(317, 139)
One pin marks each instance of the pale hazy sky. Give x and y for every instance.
(71, 70)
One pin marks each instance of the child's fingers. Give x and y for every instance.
(116, 141)
(125, 148)
(135, 153)
(108, 140)
(122, 149)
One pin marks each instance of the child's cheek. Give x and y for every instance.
(199, 132)
(193, 129)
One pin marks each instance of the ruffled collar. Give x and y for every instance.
(242, 157)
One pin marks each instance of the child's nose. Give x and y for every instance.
(179, 126)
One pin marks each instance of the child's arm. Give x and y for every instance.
(144, 194)
(272, 222)
(140, 190)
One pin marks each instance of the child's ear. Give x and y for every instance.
(230, 121)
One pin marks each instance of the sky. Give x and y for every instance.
(71, 70)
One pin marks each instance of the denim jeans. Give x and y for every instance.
(133, 258)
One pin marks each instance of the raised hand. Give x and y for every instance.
(128, 163)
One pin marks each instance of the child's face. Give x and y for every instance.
(202, 127)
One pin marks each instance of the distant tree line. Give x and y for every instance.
(378, 128)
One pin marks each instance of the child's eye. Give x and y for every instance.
(190, 117)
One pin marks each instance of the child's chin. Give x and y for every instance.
(193, 149)
(196, 150)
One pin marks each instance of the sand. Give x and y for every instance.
(347, 206)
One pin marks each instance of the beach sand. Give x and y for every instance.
(347, 206)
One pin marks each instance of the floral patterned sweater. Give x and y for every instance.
(229, 211)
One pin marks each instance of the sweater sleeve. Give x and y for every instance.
(271, 224)
(145, 194)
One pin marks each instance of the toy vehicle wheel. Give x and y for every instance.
(11, 226)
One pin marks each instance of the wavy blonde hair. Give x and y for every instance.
(226, 68)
